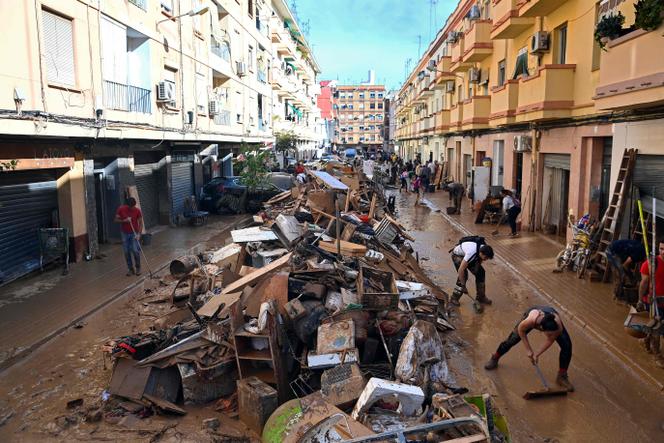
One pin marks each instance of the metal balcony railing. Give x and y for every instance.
(127, 98)
(223, 118)
(143, 4)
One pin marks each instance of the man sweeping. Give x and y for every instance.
(468, 255)
(546, 320)
(131, 220)
(456, 191)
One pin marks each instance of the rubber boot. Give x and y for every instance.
(477, 306)
(563, 381)
(481, 294)
(492, 363)
(456, 297)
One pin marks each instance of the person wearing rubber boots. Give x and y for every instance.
(546, 320)
(468, 255)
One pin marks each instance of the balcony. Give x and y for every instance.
(443, 72)
(126, 98)
(456, 117)
(220, 57)
(507, 23)
(477, 42)
(538, 8)
(549, 94)
(223, 118)
(630, 76)
(143, 4)
(476, 112)
(442, 121)
(457, 57)
(504, 102)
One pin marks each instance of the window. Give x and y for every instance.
(250, 7)
(170, 76)
(501, 72)
(372, 106)
(380, 106)
(201, 94)
(372, 95)
(197, 19)
(561, 44)
(521, 66)
(361, 94)
(59, 49)
(250, 59)
(167, 5)
(380, 95)
(596, 49)
(260, 112)
(238, 107)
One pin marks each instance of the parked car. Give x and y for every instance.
(229, 194)
(290, 165)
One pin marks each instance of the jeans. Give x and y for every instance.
(131, 250)
(615, 262)
(512, 214)
(475, 267)
(563, 340)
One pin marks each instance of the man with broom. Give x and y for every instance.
(546, 320)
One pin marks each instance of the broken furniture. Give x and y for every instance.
(256, 402)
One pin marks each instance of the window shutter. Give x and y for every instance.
(114, 51)
(201, 92)
(58, 49)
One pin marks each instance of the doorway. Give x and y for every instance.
(457, 166)
(605, 179)
(518, 173)
(467, 169)
(555, 194)
(498, 160)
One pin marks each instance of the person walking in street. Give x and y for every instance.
(456, 191)
(131, 226)
(425, 173)
(511, 209)
(468, 255)
(624, 256)
(651, 342)
(404, 181)
(546, 320)
(417, 188)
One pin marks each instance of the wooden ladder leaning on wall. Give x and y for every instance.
(611, 224)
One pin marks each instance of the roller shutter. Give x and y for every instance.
(182, 185)
(559, 161)
(147, 186)
(649, 176)
(27, 202)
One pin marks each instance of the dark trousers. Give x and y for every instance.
(563, 340)
(512, 214)
(475, 268)
(457, 196)
(425, 183)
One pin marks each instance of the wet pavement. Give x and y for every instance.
(35, 308)
(613, 402)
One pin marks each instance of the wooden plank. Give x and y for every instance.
(372, 206)
(211, 307)
(330, 181)
(347, 248)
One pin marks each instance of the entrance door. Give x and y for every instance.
(457, 166)
(467, 169)
(605, 179)
(555, 193)
(100, 206)
(518, 173)
(182, 186)
(498, 160)
(147, 185)
(450, 164)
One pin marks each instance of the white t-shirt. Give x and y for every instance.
(467, 249)
(508, 203)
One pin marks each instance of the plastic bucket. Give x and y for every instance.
(146, 239)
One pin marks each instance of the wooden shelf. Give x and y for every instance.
(262, 355)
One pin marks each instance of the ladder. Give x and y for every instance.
(612, 220)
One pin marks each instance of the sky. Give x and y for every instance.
(349, 37)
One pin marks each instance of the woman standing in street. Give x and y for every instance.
(511, 209)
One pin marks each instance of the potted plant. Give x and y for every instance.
(648, 14)
(608, 28)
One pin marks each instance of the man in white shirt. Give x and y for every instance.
(468, 255)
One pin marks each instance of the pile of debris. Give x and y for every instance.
(317, 322)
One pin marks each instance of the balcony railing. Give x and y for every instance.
(143, 4)
(223, 118)
(220, 49)
(262, 76)
(126, 98)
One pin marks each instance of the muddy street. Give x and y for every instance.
(611, 402)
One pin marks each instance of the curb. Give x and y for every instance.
(620, 355)
(33, 347)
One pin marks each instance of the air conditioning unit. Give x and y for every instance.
(475, 75)
(449, 86)
(214, 107)
(455, 36)
(165, 91)
(539, 42)
(474, 12)
(432, 65)
(523, 143)
(241, 68)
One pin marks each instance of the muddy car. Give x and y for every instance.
(229, 194)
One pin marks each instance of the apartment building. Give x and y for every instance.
(328, 111)
(389, 122)
(526, 84)
(361, 114)
(141, 97)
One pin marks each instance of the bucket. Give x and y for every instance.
(451, 210)
(146, 239)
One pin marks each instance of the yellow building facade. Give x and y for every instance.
(524, 83)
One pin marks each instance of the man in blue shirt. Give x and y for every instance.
(624, 256)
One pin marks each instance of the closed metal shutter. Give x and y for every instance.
(649, 174)
(27, 202)
(148, 192)
(182, 185)
(58, 48)
(560, 161)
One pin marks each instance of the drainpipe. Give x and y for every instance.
(472, 168)
(534, 179)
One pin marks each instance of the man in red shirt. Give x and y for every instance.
(651, 342)
(131, 220)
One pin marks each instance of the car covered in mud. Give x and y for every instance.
(229, 194)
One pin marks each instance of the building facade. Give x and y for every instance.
(328, 111)
(136, 97)
(389, 122)
(360, 110)
(526, 84)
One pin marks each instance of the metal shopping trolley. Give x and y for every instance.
(53, 244)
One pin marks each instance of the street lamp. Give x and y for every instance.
(199, 10)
